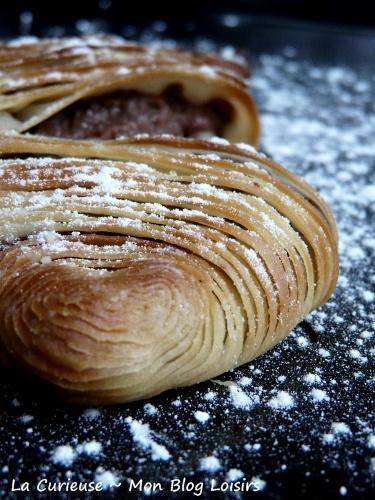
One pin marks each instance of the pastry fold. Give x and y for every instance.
(129, 267)
(45, 82)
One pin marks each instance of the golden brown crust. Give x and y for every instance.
(39, 79)
(133, 266)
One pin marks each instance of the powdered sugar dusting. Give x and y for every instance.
(63, 455)
(282, 400)
(142, 435)
(210, 464)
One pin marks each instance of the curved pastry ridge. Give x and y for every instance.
(132, 266)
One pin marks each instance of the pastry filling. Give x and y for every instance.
(128, 113)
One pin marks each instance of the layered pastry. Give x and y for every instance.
(133, 266)
(106, 88)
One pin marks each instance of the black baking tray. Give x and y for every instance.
(293, 459)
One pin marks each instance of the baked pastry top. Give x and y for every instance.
(132, 266)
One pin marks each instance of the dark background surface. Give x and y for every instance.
(326, 34)
(265, 25)
(361, 12)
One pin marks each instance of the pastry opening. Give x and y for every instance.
(129, 112)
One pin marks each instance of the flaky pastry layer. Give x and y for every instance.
(129, 267)
(40, 79)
